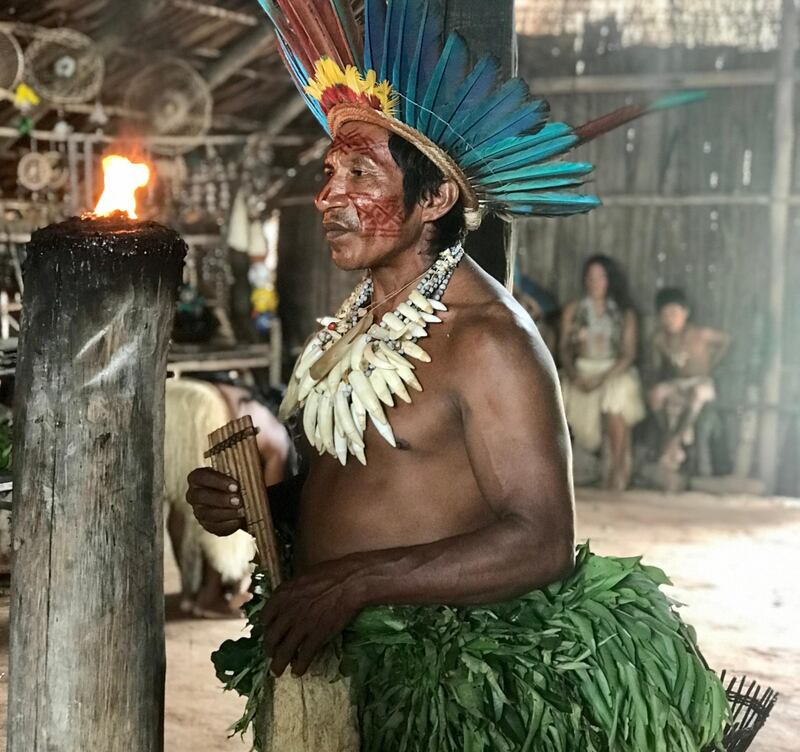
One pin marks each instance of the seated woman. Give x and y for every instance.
(214, 571)
(601, 387)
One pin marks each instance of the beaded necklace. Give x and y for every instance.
(354, 367)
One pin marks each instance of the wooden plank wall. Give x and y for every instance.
(719, 151)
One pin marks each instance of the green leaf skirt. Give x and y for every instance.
(599, 662)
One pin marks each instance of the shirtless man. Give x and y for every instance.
(686, 356)
(475, 504)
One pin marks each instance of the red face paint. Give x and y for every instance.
(362, 201)
(379, 217)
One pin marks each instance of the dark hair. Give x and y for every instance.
(670, 296)
(617, 284)
(421, 179)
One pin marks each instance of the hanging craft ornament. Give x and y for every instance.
(354, 368)
(34, 171)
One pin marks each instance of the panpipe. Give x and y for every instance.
(234, 451)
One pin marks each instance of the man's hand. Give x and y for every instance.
(306, 612)
(216, 501)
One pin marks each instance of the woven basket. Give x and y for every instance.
(751, 705)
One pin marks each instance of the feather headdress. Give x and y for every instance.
(492, 138)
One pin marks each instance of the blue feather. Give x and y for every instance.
(530, 156)
(678, 99)
(495, 109)
(401, 29)
(374, 28)
(425, 56)
(535, 172)
(393, 27)
(555, 203)
(270, 9)
(531, 118)
(548, 210)
(525, 120)
(528, 190)
(493, 128)
(476, 87)
(511, 146)
(450, 70)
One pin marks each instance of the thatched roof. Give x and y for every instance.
(745, 24)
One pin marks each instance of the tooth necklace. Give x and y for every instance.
(354, 367)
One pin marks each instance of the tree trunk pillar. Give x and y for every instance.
(87, 616)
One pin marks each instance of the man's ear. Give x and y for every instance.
(438, 204)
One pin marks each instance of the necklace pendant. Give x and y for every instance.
(340, 349)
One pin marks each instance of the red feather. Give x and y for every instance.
(297, 39)
(313, 36)
(624, 115)
(605, 123)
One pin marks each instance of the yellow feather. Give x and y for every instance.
(352, 79)
(328, 74)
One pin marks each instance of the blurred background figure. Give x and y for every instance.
(685, 357)
(541, 306)
(602, 391)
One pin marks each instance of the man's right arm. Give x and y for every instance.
(217, 503)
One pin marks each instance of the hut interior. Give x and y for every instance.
(201, 89)
(704, 197)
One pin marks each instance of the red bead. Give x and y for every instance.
(332, 327)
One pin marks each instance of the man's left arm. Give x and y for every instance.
(518, 447)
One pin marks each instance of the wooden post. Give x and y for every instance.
(87, 616)
(780, 211)
(488, 28)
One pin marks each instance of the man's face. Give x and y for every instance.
(673, 317)
(362, 200)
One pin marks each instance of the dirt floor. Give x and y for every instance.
(734, 560)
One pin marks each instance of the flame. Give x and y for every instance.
(122, 179)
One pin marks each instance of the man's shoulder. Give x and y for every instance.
(492, 328)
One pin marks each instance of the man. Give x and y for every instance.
(685, 357)
(435, 380)
(452, 514)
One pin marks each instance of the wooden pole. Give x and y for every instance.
(488, 28)
(780, 218)
(87, 602)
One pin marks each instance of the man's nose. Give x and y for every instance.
(332, 196)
